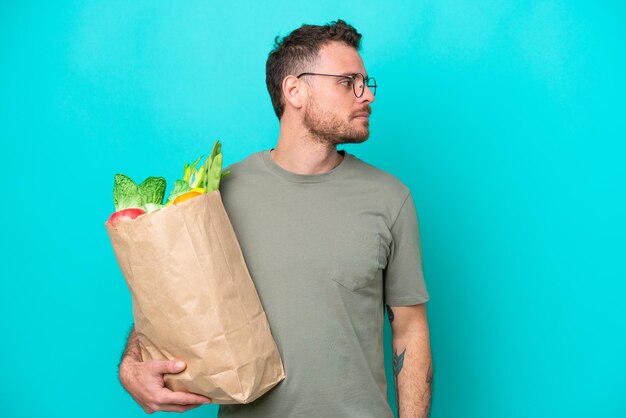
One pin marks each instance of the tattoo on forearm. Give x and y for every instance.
(390, 313)
(398, 362)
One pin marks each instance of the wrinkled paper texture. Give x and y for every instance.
(194, 300)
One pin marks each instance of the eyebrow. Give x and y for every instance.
(351, 74)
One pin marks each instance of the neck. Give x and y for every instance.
(302, 154)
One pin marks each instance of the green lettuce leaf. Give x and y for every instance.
(180, 187)
(126, 193)
(151, 207)
(152, 190)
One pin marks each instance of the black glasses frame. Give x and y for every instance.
(366, 81)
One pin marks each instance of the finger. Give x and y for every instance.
(177, 408)
(182, 398)
(167, 366)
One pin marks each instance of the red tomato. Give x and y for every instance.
(125, 215)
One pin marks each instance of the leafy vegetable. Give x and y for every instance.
(192, 176)
(205, 179)
(151, 207)
(180, 187)
(213, 169)
(125, 193)
(147, 197)
(152, 190)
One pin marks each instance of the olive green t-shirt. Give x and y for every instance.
(326, 252)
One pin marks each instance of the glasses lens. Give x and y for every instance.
(358, 85)
(371, 83)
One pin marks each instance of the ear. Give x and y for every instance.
(294, 91)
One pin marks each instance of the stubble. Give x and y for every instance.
(328, 129)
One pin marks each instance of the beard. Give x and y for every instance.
(329, 129)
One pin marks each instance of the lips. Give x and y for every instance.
(365, 113)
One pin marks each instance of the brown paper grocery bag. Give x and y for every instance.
(194, 300)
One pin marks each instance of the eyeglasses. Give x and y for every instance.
(358, 81)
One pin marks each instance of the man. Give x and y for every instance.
(328, 240)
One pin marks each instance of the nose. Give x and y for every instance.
(368, 96)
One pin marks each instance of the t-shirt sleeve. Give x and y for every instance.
(403, 275)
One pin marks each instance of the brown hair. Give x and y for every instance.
(294, 52)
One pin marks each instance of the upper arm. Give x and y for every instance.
(403, 276)
(408, 320)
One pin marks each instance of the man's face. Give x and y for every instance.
(333, 114)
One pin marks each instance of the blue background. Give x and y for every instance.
(505, 118)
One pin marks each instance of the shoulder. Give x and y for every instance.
(239, 169)
(387, 185)
(246, 162)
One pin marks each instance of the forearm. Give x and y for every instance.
(132, 349)
(413, 372)
(143, 380)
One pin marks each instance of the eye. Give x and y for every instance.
(346, 82)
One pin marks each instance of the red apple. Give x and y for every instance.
(125, 215)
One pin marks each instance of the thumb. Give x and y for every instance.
(171, 366)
